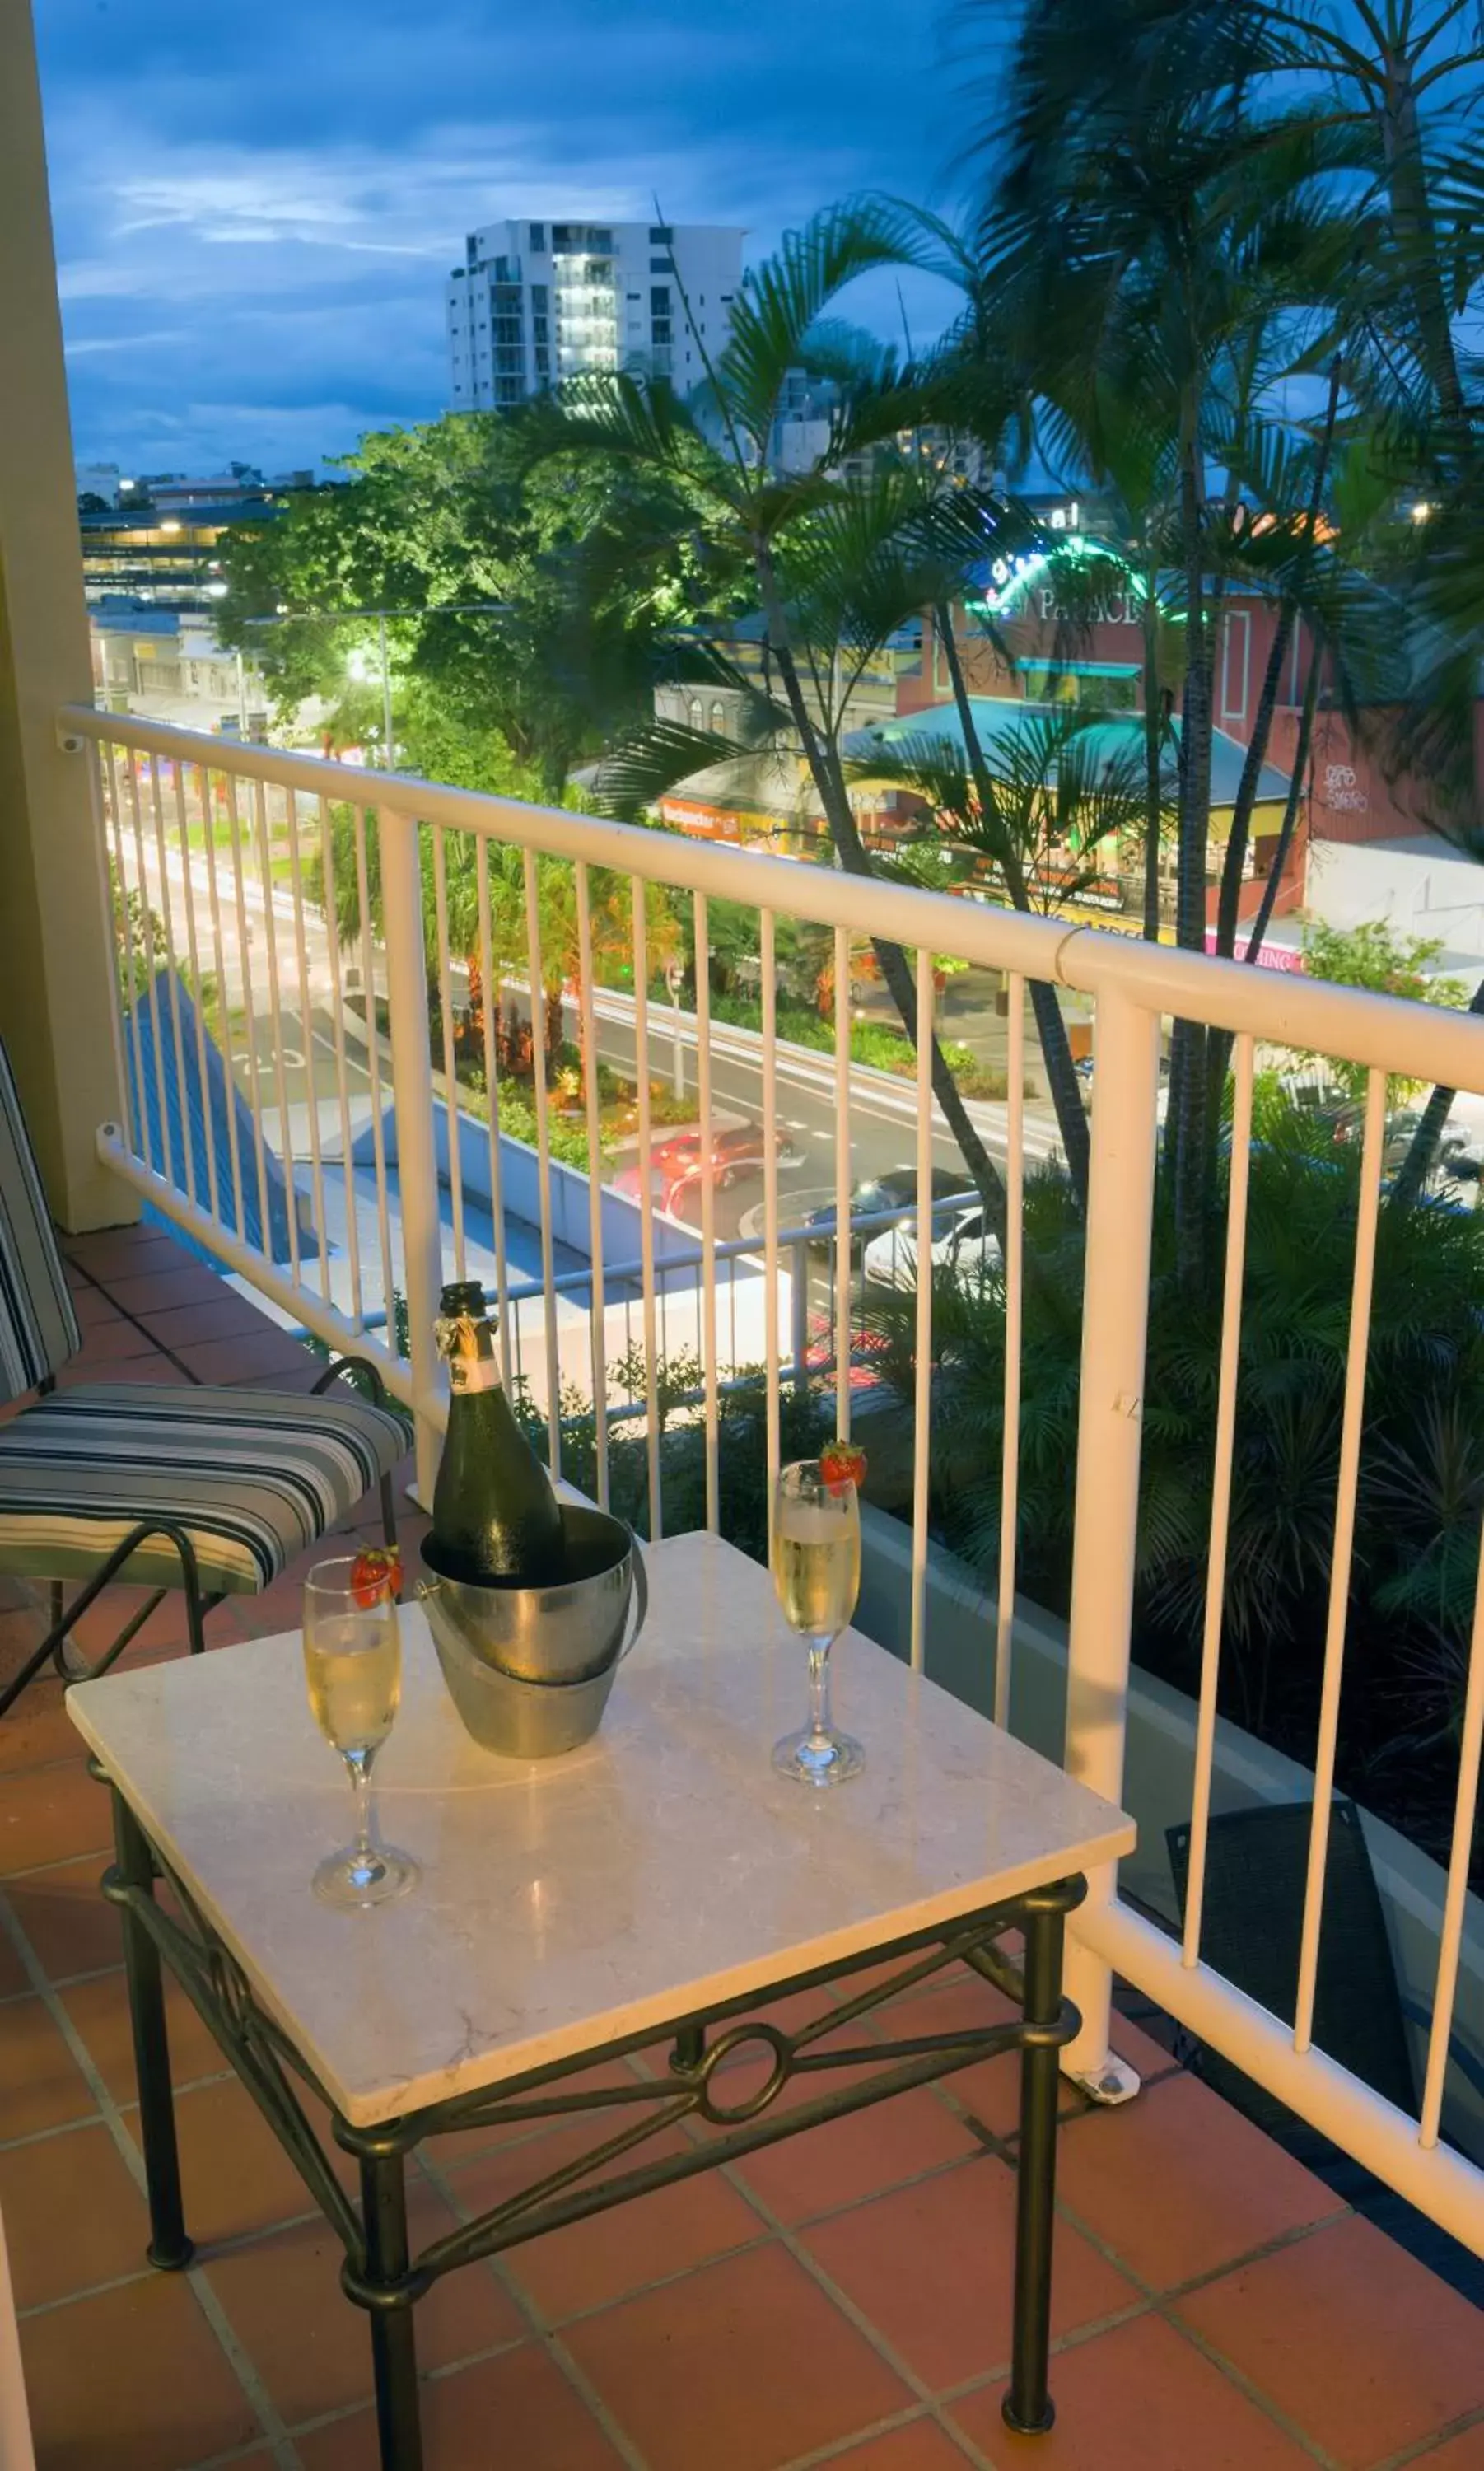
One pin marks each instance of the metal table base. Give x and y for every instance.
(379, 2272)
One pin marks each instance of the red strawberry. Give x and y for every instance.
(377, 1575)
(843, 1465)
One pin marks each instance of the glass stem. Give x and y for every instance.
(819, 1694)
(359, 1762)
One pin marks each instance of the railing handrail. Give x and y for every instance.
(1391, 1033)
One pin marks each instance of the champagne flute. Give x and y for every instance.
(816, 1576)
(353, 1667)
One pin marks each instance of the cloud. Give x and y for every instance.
(255, 210)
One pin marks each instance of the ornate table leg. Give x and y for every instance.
(1027, 2406)
(134, 1876)
(383, 2291)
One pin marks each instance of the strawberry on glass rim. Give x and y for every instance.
(842, 1465)
(376, 1575)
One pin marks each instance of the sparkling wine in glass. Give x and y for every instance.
(816, 1577)
(353, 1667)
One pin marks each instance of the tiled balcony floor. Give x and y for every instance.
(843, 2299)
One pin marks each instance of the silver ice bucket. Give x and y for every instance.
(529, 1669)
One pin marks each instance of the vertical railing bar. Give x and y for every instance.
(167, 921)
(342, 1071)
(491, 1010)
(1220, 1493)
(647, 1206)
(307, 1033)
(93, 761)
(1014, 1267)
(709, 1213)
(147, 932)
(1350, 1427)
(234, 827)
(275, 1026)
(1455, 1898)
(223, 1013)
(399, 849)
(842, 1277)
(188, 886)
(450, 1066)
(922, 1380)
(772, 1371)
(589, 1093)
(373, 1067)
(133, 1095)
(543, 1157)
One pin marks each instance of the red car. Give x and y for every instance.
(738, 1150)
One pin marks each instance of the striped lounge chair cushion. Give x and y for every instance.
(39, 1330)
(253, 1476)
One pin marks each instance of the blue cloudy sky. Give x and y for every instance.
(256, 205)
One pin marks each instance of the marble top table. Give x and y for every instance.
(661, 1870)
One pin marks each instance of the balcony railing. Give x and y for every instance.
(339, 1173)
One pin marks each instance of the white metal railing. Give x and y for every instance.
(237, 857)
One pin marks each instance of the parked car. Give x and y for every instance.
(669, 1191)
(965, 1247)
(895, 1190)
(737, 1150)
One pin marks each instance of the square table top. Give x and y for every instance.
(662, 1867)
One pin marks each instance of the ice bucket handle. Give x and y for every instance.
(641, 1593)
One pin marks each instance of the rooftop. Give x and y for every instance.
(841, 2300)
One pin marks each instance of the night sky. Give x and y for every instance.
(256, 204)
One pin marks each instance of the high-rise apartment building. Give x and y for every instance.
(535, 302)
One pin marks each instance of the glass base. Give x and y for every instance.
(353, 1880)
(833, 1761)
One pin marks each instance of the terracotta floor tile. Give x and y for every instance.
(73, 2216)
(312, 2347)
(14, 1977)
(1361, 2347)
(590, 2264)
(113, 1342)
(235, 2174)
(860, 2156)
(738, 2367)
(51, 1815)
(40, 2083)
(1137, 2399)
(93, 1308)
(38, 1731)
(1178, 2184)
(933, 2268)
(96, 1629)
(99, 2009)
(71, 1927)
(159, 1285)
(268, 1352)
(115, 1253)
(522, 2402)
(1462, 2453)
(188, 1320)
(133, 2379)
(920, 2446)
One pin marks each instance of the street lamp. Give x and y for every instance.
(428, 609)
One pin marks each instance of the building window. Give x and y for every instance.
(538, 293)
(719, 713)
(659, 300)
(662, 266)
(539, 240)
(660, 234)
(695, 714)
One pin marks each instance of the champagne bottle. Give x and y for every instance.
(495, 1518)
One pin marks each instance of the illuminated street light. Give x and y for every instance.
(1422, 511)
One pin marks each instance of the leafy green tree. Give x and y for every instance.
(1373, 955)
(511, 605)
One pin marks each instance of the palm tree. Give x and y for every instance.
(1158, 241)
(840, 556)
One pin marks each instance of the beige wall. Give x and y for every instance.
(55, 957)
